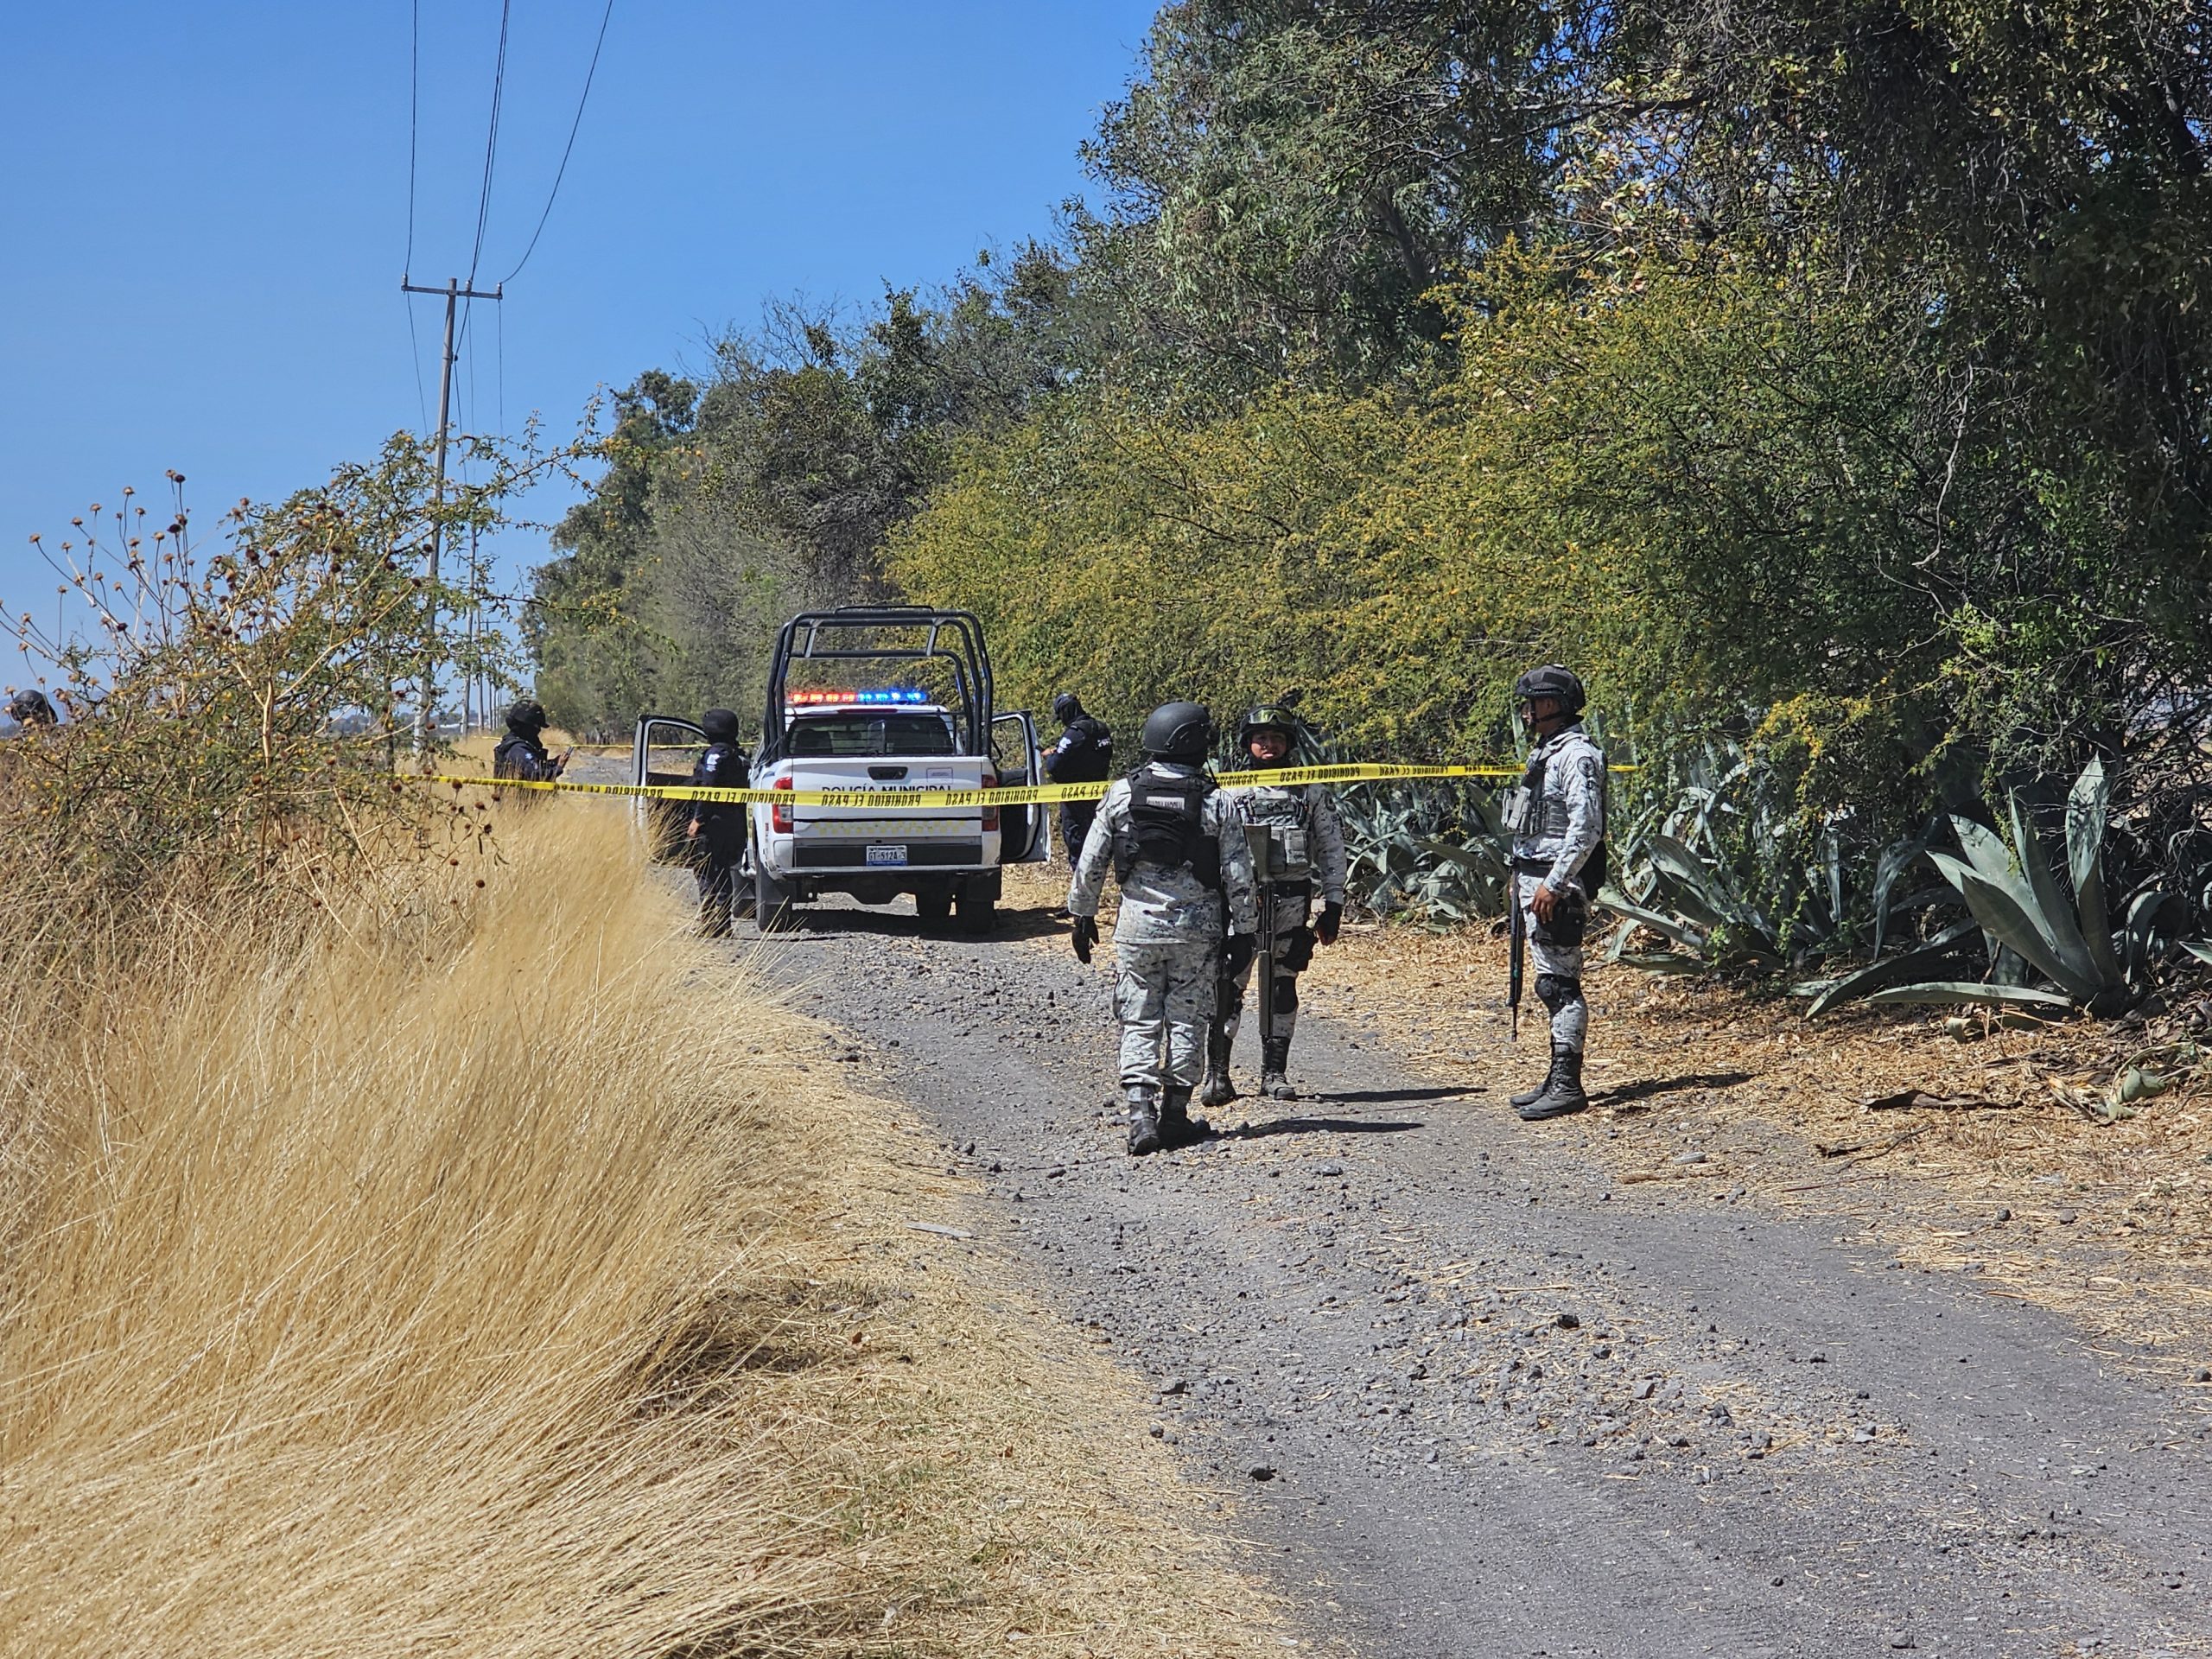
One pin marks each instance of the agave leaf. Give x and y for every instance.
(1686, 867)
(1668, 926)
(2198, 949)
(1896, 859)
(2002, 913)
(1476, 861)
(2153, 917)
(1670, 889)
(1897, 970)
(1986, 850)
(1832, 849)
(1956, 991)
(1664, 961)
(2085, 844)
(2053, 915)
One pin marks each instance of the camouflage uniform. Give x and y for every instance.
(1168, 934)
(1566, 820)
(1308, 840)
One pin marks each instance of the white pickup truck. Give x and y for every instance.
(872, 723)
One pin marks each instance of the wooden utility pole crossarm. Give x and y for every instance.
(455, 293)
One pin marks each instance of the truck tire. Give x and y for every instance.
(979, 915)
(935, 906)
(772, 910)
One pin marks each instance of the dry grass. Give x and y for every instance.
(483, 1272)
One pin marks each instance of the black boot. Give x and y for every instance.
(1529, 1097)
(1144, 1119)
(1177, 1126)
(1275, 1062)
(1219, 1090)
(1563, 1093)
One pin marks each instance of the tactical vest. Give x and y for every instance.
(1288, 816)
(1166, 827)
(518, 756)
(1527, 812)
(1091, 760)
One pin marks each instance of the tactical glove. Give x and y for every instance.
(1086, 938)
(1236, 954)
(1326, 925)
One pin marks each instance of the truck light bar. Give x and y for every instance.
(896, 693)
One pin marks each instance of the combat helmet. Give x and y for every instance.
(1552, 680)
(1178, 731)
(1267, 717)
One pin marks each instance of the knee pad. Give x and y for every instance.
(1285, 994)
(1555, 991)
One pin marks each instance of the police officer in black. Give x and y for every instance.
(29, 708)
(1084, 755)
(717, 828)
(521, 754)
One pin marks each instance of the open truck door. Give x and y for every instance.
(1023, 836)
(665, 750)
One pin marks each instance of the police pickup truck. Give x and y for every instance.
(895, 700)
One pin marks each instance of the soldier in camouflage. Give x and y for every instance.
(1176, 849)
(1557, 819)
(1297, 829)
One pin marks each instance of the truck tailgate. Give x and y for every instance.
(894, 778)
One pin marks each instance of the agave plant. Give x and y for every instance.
(2020, 899)
(1434, 853)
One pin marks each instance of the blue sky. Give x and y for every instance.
(204, 210)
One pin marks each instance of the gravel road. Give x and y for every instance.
(1468, 1395)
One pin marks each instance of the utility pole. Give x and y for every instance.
(455, 293)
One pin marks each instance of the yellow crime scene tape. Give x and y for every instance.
(1021, 795)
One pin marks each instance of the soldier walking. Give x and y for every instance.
(1176, 849)
(1297, 842)
(1557, 819)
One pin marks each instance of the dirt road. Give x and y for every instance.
(1466, 1394)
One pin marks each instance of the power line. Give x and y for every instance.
(414, 102)
(491, 143)
(407, 263)
(415, 356)
(562, 171)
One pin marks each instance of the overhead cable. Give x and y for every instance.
(561, 172)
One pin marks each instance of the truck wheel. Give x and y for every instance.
(772, 910)
(979, 915)
(933, 907)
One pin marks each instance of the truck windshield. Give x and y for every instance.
(868, 732)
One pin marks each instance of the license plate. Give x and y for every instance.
(886, 855)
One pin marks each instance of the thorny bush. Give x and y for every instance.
(236, 721)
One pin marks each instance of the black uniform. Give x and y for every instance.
(719, 848)
(521, 753)
(1084, 755)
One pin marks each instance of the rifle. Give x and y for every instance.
(1261, 838)
(1518, 970)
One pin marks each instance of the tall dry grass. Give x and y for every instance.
(352, 1276)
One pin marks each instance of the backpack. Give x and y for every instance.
(1166, 827)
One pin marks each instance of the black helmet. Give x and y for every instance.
(1551, 680)
(1066, 707)
(1178, 731)
(527, 717)
(720, 725)
(30, 708)
(1267, 717)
